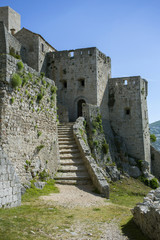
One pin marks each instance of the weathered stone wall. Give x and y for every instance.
(11, 19)
(10, 187)
(30, 42)
(76, 74)
(155, 162)
(96, 173)
(8, 42)
(28, 129)
(128, 114)
(34, 49)
(147, 215)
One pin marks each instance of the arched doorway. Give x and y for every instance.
(79, 107)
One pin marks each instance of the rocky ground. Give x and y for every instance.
(73, 197)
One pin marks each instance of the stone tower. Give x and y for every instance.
(81, 76)
(128, 114)
(11, 19)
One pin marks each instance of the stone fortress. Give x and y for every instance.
(83, 78)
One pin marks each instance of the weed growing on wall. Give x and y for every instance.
(16, 80)
(20, 66)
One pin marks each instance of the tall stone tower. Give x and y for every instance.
(128, 114)
(81, 76)
(11, 19)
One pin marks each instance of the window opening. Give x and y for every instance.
(81, 82)
(127, 111)
(71, 54)
(125, 82)
(42, 45)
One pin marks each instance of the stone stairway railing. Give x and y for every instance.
(96, 173)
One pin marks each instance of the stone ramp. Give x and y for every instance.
(72, 170)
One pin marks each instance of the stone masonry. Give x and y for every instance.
(28, 128)
(147, 215)
(10, 187)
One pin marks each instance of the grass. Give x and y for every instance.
(37, 219)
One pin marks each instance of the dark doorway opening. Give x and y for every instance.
(79, 107)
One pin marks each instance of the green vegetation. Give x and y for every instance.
(40, 147)
(39, 133)
(43, 175)
(16, 80)
(20, 65)
(39, 219)
(153, 183)
(33, 193)
(12, 100)
(105, 147)
(53, 89)
(152, 138)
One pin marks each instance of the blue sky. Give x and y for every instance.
(126, 30)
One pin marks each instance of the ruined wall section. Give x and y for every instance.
(75, 75)
(127, 106)
(11, 18)
(28, 129)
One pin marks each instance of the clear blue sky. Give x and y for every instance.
(126, 30)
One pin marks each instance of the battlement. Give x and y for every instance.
(79, 53)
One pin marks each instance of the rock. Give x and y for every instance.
(39, 185)
(134, 172)
(132, 161)
(113, 172)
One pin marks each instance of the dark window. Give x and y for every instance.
(81, 82)
(42, 45)
(127, 111)
(65, 84)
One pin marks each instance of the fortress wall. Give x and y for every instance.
(28, 129)
(10, 187)
(127, 106)
(69, 69)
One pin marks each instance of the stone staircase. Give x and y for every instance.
(72, 170)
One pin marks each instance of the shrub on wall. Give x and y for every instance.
(20, 65)
(16, 80)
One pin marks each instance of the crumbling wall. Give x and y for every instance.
(147, 215)
(28, 128)
(10, 187)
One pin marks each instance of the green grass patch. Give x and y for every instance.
(127, 192)
(34, 193)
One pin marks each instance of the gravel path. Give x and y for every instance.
(83, 196)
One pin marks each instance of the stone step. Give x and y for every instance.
(74, 182)
(68, 146)
(72, 176)
(70, 156)
(67, 142)
(74, 162)
(64, 138)
(68, 151)
(71, 168)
